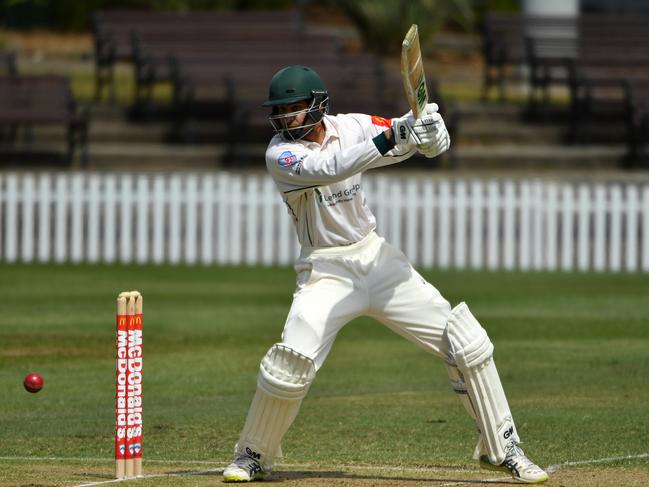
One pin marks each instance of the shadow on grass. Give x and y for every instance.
(364, 479)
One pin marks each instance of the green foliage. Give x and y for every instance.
(383, 23)
(180, 5)
(503, 5)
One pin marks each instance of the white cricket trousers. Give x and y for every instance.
(368, 278)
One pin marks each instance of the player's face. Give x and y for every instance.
(299, 120)
(293, 114)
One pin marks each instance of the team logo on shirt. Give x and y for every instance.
(382, 122)
(287, 159)
(344, 195)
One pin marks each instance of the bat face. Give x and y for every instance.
(412, 72)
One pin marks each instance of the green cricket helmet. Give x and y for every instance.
(293, 84)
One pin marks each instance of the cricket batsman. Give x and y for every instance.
(345, 270)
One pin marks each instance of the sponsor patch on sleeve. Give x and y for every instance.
(287, 159)
(381, 121)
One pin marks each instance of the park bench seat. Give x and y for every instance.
(26, 101)
(113, 32)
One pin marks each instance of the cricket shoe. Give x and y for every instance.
(244, 469)
(518, 465)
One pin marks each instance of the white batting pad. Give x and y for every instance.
(285, 373)
(473, 353)
(459, 386)
(283, 381)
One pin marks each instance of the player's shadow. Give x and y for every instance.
(394, 480)
(295, 475)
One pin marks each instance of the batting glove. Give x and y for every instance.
(437, 138)
(403, 131)
(431, 108)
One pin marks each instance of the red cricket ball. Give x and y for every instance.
(33, 382)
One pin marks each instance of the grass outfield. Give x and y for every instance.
(572, 350)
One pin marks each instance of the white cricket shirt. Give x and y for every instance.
(321, 183)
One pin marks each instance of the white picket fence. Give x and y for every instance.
(225, 218)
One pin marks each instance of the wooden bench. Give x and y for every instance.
(550, 63)
(505, 45)
(8, 68)
(8, 64)
(637, 123)
(596, 67)
(116, 34)
(204, 80)
(26, 101)
(613, 55)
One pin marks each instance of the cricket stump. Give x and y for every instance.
(128, 386)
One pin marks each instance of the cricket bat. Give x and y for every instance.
(412, 72)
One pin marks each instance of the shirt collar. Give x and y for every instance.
(331, 133)
(331, 130)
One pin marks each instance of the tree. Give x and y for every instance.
(383, 23)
